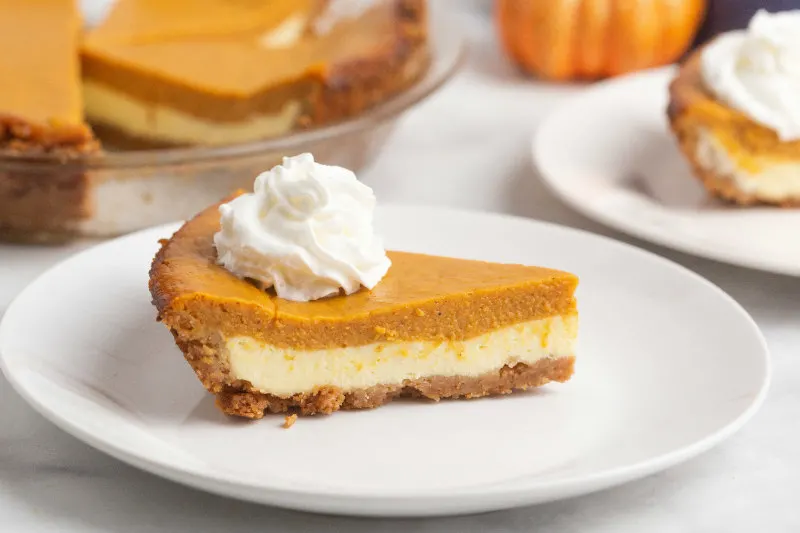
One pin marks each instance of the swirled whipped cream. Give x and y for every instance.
(306, 230)
(757, 71)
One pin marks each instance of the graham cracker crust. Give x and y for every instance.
(20, 136)
(44, 202)
(326, 400)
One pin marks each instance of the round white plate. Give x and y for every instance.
(668, 365)
(608, 152)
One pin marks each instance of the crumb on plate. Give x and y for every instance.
(289, 421)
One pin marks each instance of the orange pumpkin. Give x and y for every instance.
(574, 39)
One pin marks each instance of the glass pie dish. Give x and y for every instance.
(130, 190)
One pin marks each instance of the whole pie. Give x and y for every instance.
(221, 72)
(433, 327)
(159, 73)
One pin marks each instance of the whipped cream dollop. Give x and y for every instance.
(306, 230)
(757, 71)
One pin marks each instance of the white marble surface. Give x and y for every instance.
(467, 147)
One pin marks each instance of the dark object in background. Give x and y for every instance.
(727, 15)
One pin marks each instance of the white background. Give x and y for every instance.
(468, 146)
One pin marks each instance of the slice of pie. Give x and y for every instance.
(733, 110)
(219, 72)
(41, 112)
(434, 327)
(734, 157)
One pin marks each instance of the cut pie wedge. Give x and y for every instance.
(40, 99)
(434, 327)
(41, 113)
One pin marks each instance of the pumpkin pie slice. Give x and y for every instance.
(40, 99)
(219, 72)
(434, 327)
(41, 112)
(735, 158)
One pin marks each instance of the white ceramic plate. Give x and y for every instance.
(668, 365)
(608, 152)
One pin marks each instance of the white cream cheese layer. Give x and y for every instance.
(143, 119)
(776, 181)
(284, 372)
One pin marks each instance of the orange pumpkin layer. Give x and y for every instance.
(421, 298)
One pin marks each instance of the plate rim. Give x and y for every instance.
(553, 184)
(445, 501)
